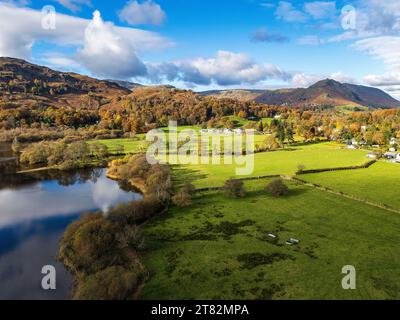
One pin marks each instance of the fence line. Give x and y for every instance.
(364, 166)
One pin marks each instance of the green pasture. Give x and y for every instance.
(313, 156)
(219, 248)
(380, 183)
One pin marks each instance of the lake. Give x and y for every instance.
(34, 212)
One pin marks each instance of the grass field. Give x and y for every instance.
(315, 156)
(136, 144)
(379, 183)
(312, 156)
(219, 248)
(129, 145)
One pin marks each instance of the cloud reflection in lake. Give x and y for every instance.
(33, 218)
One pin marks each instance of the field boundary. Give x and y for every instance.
(341, 194)
(315, 186)
(364, 166)
(240, 179)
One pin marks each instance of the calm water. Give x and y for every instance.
(34, 212)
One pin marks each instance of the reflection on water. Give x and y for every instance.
(5, 150)
(33, 215)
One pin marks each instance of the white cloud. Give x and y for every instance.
(226, 69)
(55, 60)
(287, 12)
(20, 28)
(74, 5)
(107, 54)
(386, 79)
(320, 9)
(341, 77)
(148, 12)
(304, 80)
(114, 49)
(373, 18)
(16, 2)
(385, 48)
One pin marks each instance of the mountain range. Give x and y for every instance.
(29, 84)
(326, 93)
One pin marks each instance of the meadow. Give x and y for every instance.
(284, 161)
(379, 183)
(281, 162)
(219, 248)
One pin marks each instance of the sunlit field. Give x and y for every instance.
(379, 183)
(219, 248)
(282, 162)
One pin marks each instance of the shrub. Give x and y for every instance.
(136, 212)
(189, 188)
(158, 182)
(99, 150)
(182, 199)
(90, 245)
(113, 283)
(35, 154)
(131, 237)
(277, 188)
(234, 188)
(301, 167)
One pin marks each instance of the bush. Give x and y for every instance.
(158, 182)
(113, 283)
(56, 153)
(234, 188)
(301, 167)
(182, 199)
(131, 237)
(90, 245)
(277, 188)
(136, 212)
(189, 188)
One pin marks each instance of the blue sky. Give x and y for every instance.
(205, 44)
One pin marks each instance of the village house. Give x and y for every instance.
(390, 155)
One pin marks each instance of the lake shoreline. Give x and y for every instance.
(60, 198)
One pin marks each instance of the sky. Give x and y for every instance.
(210, 44)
